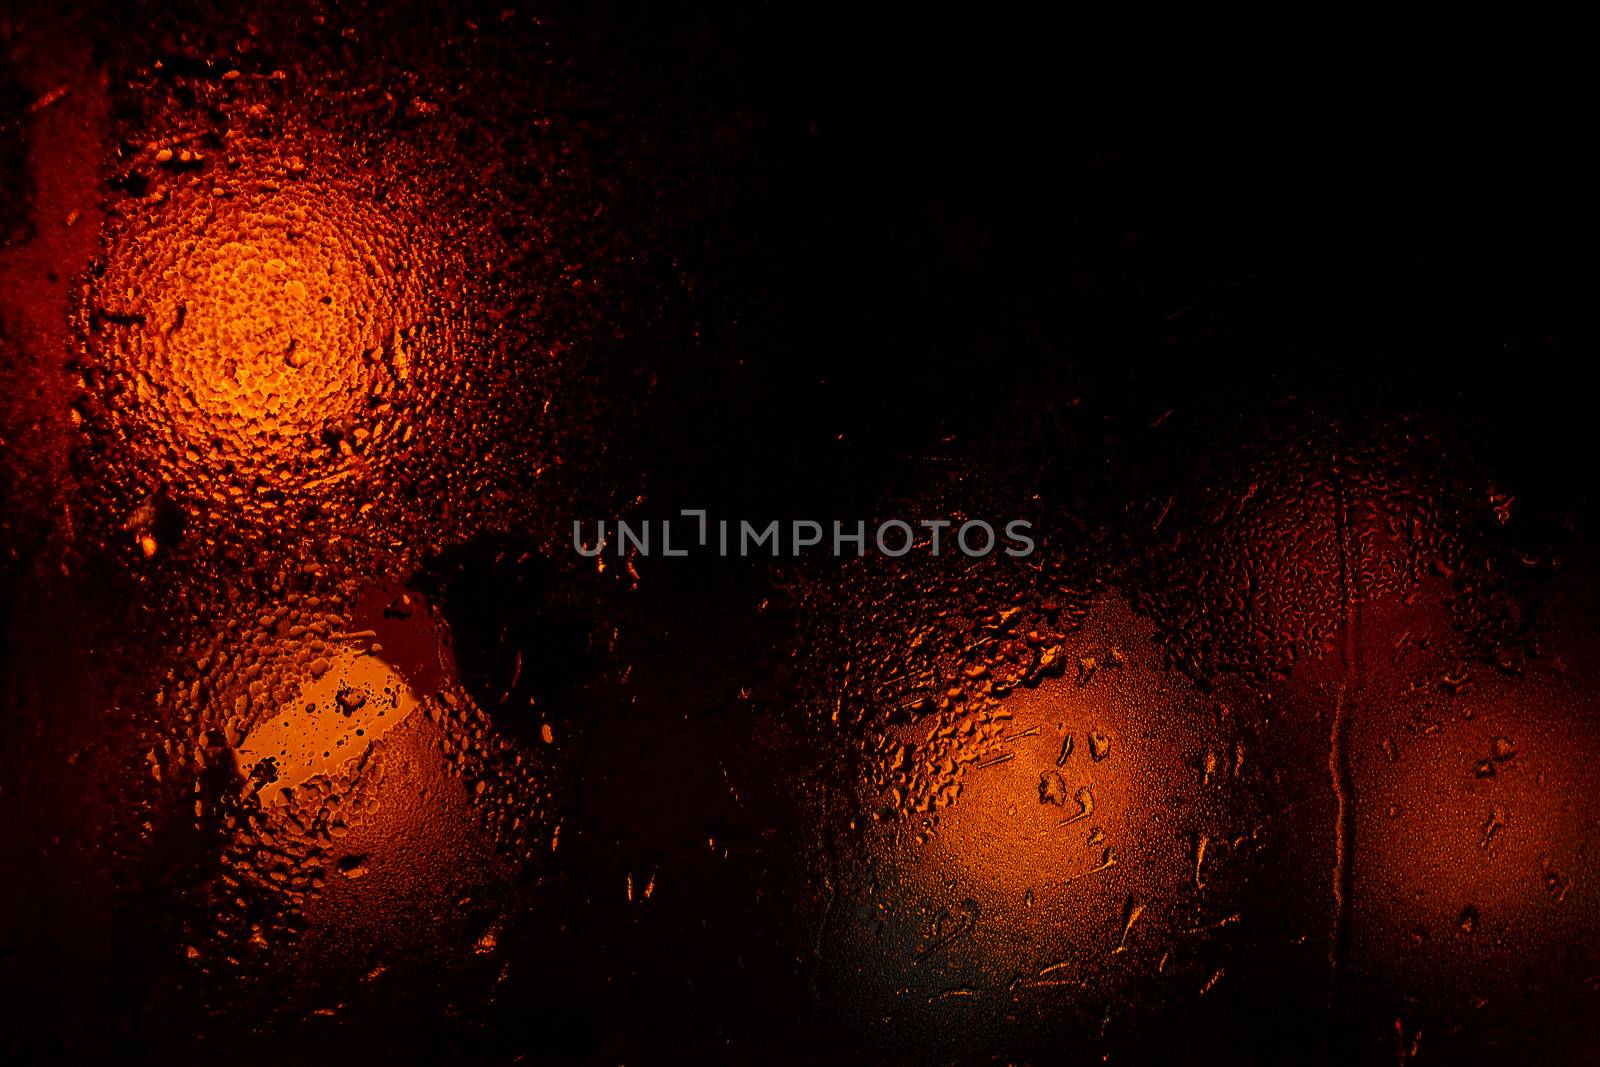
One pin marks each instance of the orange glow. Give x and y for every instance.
(248, 325)
(1473, 808)
(267, 330)
(346, 705)
(1093, 829)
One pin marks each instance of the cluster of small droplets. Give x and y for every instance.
(280, 838)
(940, 648)
(264, 343)
(1251, 572)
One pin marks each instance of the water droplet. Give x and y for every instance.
(1099, 745)
(1052, 789)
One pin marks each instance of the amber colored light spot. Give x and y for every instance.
(264, 333)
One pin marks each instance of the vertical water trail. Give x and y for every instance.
(1339, 764)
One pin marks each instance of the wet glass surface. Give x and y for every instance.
(320, 327)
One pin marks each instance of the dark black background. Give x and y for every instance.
(946, 225)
